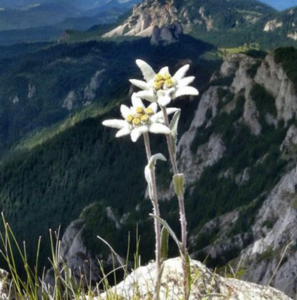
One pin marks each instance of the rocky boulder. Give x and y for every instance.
(205, 285)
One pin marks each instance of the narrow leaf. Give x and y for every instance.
(164, 243)
(174, 125)
(170, 231)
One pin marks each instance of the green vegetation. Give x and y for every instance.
(287, 57)
(265, 102)
(56, 70)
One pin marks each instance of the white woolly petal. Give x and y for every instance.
(154, 107)
(159, 128)
(164, 100)
(146, 70)
(157, 118)
(164, 97)
(154, 158)
(119, 124)
(186, 90)
(181, 72)
(171, 110)
(140, 84)
(164, 71)
(147, 95)
(186, 81)
(125, 111)
(124, 131)
(136, 101)
(137, 132)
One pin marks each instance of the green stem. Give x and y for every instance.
(181, 203)
(156, 212)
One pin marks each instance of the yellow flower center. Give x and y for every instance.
(169, 83)
(163, 81)
(159, 77)
(149, 111)
(144, 118)
(129, 119)
(141, 116)
(139, 110)
(166, 76)
(136, 121)
(158, 85)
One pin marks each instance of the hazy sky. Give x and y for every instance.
(279, 4)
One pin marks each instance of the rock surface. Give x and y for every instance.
(144, 18)
(205, 285)
(262, 252)
(272, 76)
(167, 34)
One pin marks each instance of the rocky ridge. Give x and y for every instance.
(201, 16)
(283, 21)
(265, 252)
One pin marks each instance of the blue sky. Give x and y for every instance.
(278, 4)
(281, 4)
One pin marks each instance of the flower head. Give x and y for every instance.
(162, 87)
(139, 119)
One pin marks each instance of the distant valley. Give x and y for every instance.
(237, 140)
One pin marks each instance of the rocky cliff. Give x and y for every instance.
(150, 13)
(264, 249)
(238, 156)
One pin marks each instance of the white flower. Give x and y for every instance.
(138, 120)
(162, 87)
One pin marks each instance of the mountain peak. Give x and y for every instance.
(207, 15)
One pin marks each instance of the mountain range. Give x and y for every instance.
(223, 23)
(237, 140)
(53, 12)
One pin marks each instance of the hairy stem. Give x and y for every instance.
(156, 212)
(181, 203)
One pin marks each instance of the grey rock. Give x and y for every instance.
(167, 34)
(272, 76)
(15, 100)
(71, 101)
(31, 91)
(205, 284)
(92, 88)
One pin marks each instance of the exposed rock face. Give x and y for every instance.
(207, 19)
(167, 34)
(292, 36)
(206, 154)
(206, 283)
(261, 250)
(31, 91)
(6, 290)
(145, 17)
(15, 100)
(91, 89)
(263, 256)
(289, 145)
(251, 115)
(272, 76)
(71, 101)
(74, 252)
(272, 25)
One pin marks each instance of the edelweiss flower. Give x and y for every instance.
(138, 120)
(163, 87)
